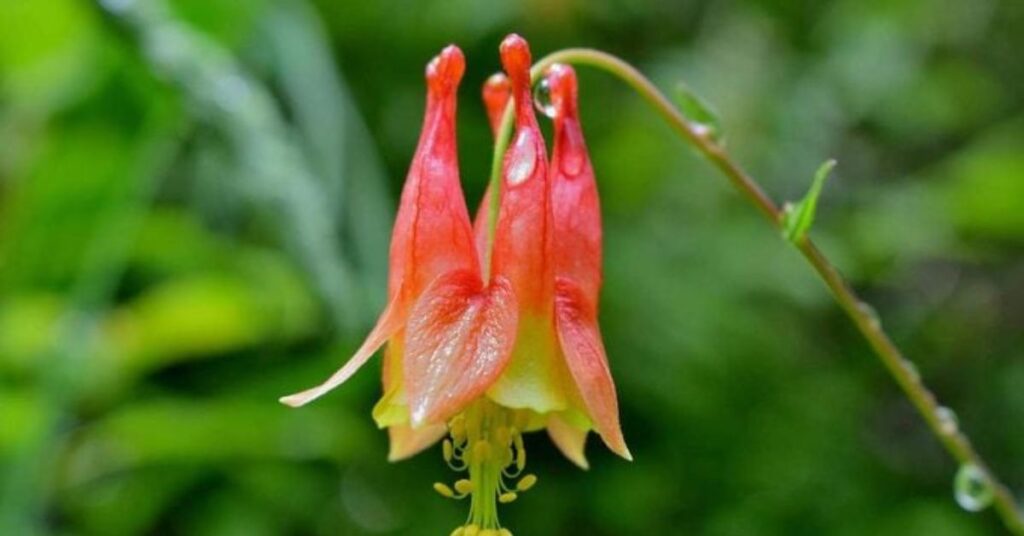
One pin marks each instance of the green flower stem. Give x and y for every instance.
(861, 314)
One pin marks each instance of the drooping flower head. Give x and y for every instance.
(486, 359)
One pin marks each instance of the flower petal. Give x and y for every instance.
(523, 237)
(458, 341)
(569, 439)
(576, 321)
(432, 233)
(496, 94)
(389, 323)
(391, 409)
(576, 206)
(406, 442)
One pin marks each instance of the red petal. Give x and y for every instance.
(522, 244)
(432, 233)
(497, 92)
(459, 340)
(577, 211)
(389, 323)
(576, 321)
(481, 226)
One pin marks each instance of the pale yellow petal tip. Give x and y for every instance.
(297, 400)
(406, 442)
(581, 462)
(621, 450)
(400, 453)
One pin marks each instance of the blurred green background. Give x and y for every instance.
(196, 199)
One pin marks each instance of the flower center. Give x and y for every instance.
(485, 441)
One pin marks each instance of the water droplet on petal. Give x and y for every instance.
(542, 99)
(523, 157)
(948, 422)
(972, 489)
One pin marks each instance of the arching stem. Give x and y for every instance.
(862, 315)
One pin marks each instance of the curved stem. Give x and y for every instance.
(861, 314)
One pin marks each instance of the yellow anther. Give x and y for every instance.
(520, 459)
(481, 451)
(471, 530)
(502, 437)
(457, 428)
(507, 497)
(465, 486)
(524, 484)
(488, 532)
(444, 490)
(504, 532)
(447, 450)
(458, 532)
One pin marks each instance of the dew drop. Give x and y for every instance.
(948, 421)
(972, 489)
(702, 130)
(522, 158)
(542, 99)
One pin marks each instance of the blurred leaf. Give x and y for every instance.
(75, 185)
(797, 218)
(99, 506)
(191, 433)
(335, 139)
(48, 51)
(698, 111)
(191, 317)
(271, 171)
(23, 412)
(27, 325)
(985, 186)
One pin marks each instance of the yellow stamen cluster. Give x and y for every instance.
(486, 442)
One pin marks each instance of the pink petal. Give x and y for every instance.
(580, 337)
(459, 340)
(389, 323)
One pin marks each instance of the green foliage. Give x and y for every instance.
(195, 206)
(798, 217)
(698, 111)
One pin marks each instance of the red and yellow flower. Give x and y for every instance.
(483, 355)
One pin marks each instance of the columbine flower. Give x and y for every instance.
(486, 360)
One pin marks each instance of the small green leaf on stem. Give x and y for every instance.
(701, 114)
(797, 218)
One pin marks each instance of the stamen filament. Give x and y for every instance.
(485, 442)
